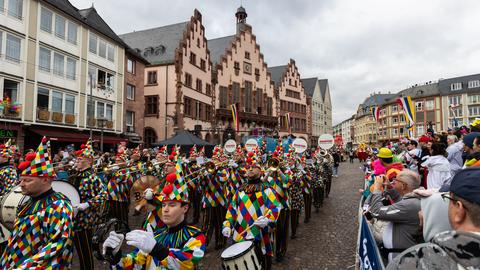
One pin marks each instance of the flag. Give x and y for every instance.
(376, 112)
(236, 123)
(407, 105)
(287, 122)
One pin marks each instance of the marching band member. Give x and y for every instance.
(252, 209)
(174, 246)
(295, 192)
(213, 200)
(118, 189)
(318, 177)
(194, 190)
(43, 230)
(93, 194)
(307, 189)
(8, 172)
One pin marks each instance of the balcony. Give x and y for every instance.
(260, 119)
(10, 111)
(100, 123)
(63, 118)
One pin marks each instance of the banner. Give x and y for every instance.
(376, 112)
(367, 249)
(236, 123)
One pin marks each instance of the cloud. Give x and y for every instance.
(360, 46)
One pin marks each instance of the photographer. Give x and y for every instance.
(403, 230)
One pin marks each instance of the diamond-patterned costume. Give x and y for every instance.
(8, 178)
(213, 189)
(42, 236)
(186, 245)
(119, 185)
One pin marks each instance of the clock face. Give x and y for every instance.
(247, 68)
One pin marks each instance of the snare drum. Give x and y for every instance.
(240, 256)
(12, 200)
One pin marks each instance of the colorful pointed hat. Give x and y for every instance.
(38, 163)
(7, 150)
(252, 159)
(86, 150)
(175, 189)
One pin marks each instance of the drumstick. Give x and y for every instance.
(269, 212)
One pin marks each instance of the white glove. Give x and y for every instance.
(148, 194)
(232, 164)
(227, 232)
(82, 206)
(143, 240)
(114, 240)
(261, 221)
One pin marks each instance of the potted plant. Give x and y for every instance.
(91, 122)
(57, 117)
(70, 119)
(109, 124)
(43, 114)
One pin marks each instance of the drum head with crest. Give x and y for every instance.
(237, 250)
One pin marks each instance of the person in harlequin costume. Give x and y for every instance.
(307, 188)
(154, 217)
(316, 172)
(173, 246)
(235, 174)
(190, 168)
(295, 192)
(42, 237)
(213, 200)
(8, 172)
(118, 189)
(93, 194)
(280, 183)
(253, 211)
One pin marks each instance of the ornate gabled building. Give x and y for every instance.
(325, 107)
(292, 100)
(178, 91)
(241, 78)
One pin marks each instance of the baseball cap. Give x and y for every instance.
(466, 184)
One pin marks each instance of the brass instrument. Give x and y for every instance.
(212, 166)
(274, 164)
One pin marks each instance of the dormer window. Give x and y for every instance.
(474, 84)
(456, 86)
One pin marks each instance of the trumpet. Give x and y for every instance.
(274, 164)
(212, 166)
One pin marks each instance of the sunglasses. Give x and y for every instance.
(446, 197)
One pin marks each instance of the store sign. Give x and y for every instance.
(6, 133)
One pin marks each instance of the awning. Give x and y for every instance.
(75, 136)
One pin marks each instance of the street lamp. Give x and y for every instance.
(101, 124)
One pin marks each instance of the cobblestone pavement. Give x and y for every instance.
(328, 241)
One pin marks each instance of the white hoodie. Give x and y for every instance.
(439, 171)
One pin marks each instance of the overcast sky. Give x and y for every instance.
(359, 46)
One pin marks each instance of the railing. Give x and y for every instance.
(44, 115)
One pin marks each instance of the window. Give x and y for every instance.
(69, 104)
(60, 27)
(71, 68)
(429, 105)
(202, 64)
(151, 105)
(12, 51)
(198, 85)
(471, 99)
(456, 86)
(394, 108)
(236, 93)
(130, 119)
(10, 89)
(72, 32)
(394, 131)
(42, 98)
(236, 65)
(46, 17)
(92, 43)
(15, 8)
(44, 59)
(223, 97)
(193, 58)
(456, 112)
(152, 77)
(102, 49)
(454, 100)
(109, 112)
(150, 137)
(131, 66)
(57, 99)
(100, 110)
(474, 111)
(248, 96)
(419, 106)
(474, 84)
(395, 120)
(187, 106)
(247, 55)
(130, 92)
(111, 53)
(58, 64)
(208, 89)
(188, 80)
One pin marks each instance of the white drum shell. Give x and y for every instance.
(240, 256)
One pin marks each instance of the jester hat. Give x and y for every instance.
(7, 150)
(86, 150)
(175, 189)
(38, 163)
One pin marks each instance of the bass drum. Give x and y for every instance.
(10, 202)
